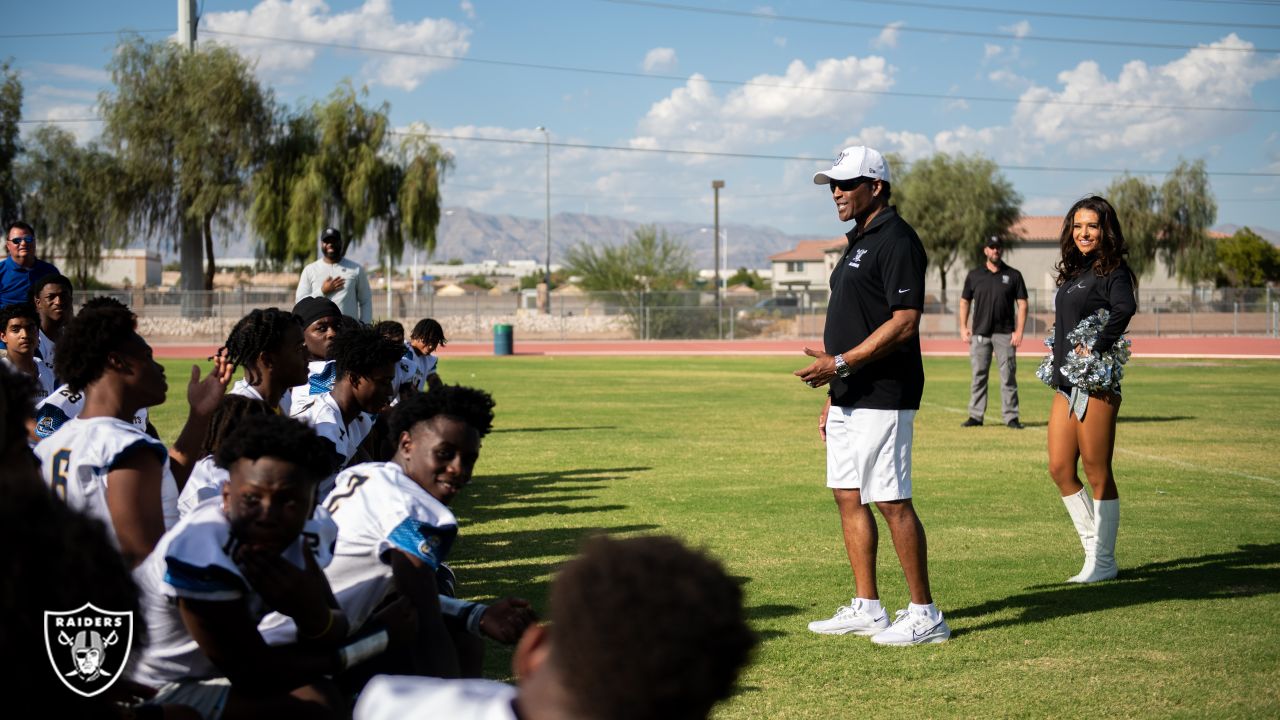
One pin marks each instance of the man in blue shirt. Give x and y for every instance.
(21, 268)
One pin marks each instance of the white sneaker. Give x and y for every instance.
(914, 629)
(852, 618)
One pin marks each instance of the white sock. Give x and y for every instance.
(929, 611)
(872, 607)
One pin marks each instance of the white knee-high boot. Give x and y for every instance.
(1106, 514)
(1080, 508)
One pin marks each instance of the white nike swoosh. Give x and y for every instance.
(904, 291)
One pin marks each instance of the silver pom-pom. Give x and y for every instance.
(1098, 371)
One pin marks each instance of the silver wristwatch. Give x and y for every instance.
(842, 367)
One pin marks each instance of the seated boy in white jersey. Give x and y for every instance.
(624, 642)
(268, 344)
(395, 530)
(207, 477)
(52, 297)
(419, 355)
(19, 331)
(321, 322)
(212, 578)
(364, 364)
(100, 462)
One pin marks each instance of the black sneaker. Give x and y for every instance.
(1016, 424)
(971, 423)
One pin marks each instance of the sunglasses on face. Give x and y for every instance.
(23, 240)
(848, 185)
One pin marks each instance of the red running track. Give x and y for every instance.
(1224, 347)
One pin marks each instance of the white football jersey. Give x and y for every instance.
(242, 387)
(206, 481)
(194, 560)
(413, 369)
(44, 377)
(377, 508)
(76, 460)
(44, 351)
(395, 697)
(322, 413)
(323, 373)
(62, 405)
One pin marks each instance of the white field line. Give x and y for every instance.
(1145, 456)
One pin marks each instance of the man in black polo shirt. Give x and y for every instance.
(993, 291)
(873, 366)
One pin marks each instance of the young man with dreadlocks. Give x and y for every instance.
(269, 345)
(100, 462)
(364, 365)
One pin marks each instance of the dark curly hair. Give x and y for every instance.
(231, 410)
(390, 329)
(80, 355)
(429, 330)
(103, 301)
(678, 662)
(275, 436)
(18, 310)
(360, 351)
(262, 330)
(1111, 248)
(51, 279)
(472, 406)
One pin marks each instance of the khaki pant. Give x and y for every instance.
(980, 351)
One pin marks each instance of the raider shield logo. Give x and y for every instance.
(88, 647)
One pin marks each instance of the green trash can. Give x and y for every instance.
(503, 340)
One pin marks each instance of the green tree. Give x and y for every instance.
(750, 278)
(650, 275)
(334, 164)
(10, 115)
(1246, 259)
(1136, 201)
(188, 129)
(70, 197)
(955, 204)
(1186, 210)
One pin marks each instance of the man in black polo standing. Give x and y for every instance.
(997, 297)
(873, 366)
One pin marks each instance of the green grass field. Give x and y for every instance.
(724, 453)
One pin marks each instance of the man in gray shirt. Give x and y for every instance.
(335, 277)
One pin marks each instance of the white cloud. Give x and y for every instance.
(780, 41)
(73, 72)
(989, 51)
(765, 10)
(1009, 79)
(1199, 78)
(65, 93)
(957, 105)
(60, 114)
(767, 110)
(888, 37)
(1020, 29)
(468, 9)
(911, 146)
(660, 59)
(370, 25)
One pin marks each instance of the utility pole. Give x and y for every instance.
(187, 20)
(715, 187)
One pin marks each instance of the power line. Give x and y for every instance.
(741, 83)
(1264, 3)
(1067, 16)
(789, 158)
(20, 36)
(759, 15)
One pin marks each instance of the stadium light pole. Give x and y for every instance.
(715, 187)
(546, 277)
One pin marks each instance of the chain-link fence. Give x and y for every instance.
(208, 316)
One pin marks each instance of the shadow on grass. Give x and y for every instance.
(554, 429)
(1221, 575)
(1152, 418)
(497, 496)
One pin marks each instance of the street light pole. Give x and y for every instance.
(546, 278)
(715, 187)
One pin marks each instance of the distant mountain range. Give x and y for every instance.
(471, 236)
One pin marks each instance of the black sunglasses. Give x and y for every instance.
(850, 184)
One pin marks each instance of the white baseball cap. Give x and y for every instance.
(855, 162)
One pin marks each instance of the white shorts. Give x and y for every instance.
(870, 451)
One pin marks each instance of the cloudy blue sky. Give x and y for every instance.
(1062, 96)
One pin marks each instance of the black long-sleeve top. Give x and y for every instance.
(1082, 296)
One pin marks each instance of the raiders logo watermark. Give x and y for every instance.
(88, 647)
